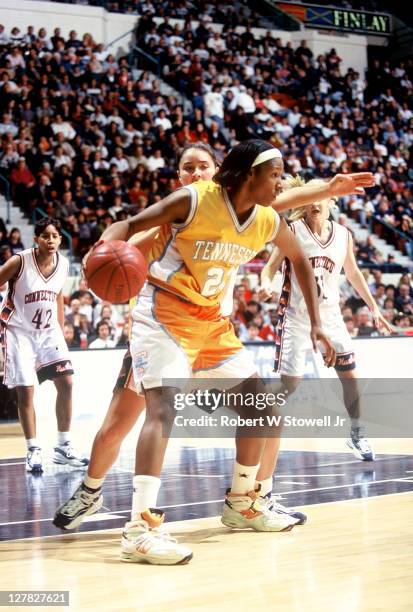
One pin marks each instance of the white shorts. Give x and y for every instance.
(29, 355)
(293, 341)
(175, 340)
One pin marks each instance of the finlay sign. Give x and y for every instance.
(345, 20)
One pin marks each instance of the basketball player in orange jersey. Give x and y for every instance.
(180, 325)
(329, 248)
(196, 163)
(32, 320)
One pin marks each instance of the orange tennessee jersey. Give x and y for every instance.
(199, 259)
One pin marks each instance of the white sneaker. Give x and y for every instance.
(66, 455)
(272, 504)
(34, 460)
(245, 512)
(360, 445)
(144, 542)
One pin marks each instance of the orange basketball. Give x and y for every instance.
(116, 271)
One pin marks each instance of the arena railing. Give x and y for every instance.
(140, 54)
(7, 195)
(400, 239)
(136, 52)
(38, 212)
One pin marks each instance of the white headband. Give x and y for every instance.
(266, 156)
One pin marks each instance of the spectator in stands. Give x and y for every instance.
(69, 334)
(253, 331)
(5, 253)
(268, 331)
(350, 325)
(377, 275)
(103, 340)
(379, 294)
(404, 301)
(123, 337)
(14, 241)
(23, 184)
(364, 322)
(367, 254)
(4, 38)
(405, 279)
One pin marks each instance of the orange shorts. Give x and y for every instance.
(174, 339)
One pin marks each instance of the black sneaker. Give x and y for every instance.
(83, 503)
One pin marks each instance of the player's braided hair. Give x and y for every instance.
(237, 164)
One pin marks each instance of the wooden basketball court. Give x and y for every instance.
(355, 553)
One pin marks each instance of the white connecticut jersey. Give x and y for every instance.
(31, 301)
(327, 261)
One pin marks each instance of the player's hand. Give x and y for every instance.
(317, 335)
(380, 322)
(348, 184)
(264, 294)
(86, 257)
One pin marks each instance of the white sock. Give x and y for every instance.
(266, 486)
(93, 483)
(31, 442)
(355, 423)
(243, 479)
(63, 437)
(145, 494)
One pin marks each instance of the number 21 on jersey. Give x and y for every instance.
(215, 281)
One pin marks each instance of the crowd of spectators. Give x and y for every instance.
(255, 321)
(90, 323)
(87, 142)
(323, 119)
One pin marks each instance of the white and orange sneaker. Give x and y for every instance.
(245, 512)
(144, 542)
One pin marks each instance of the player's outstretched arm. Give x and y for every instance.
(268, 273)
(290, 247)
(357, 280)
(172, 209)
(9, 269)
(340, 185)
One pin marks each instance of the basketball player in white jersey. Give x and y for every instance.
(329, 247)
(31, 321)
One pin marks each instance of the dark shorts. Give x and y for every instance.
(125, 376)
(345, 362)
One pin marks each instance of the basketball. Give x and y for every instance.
(116, 271)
